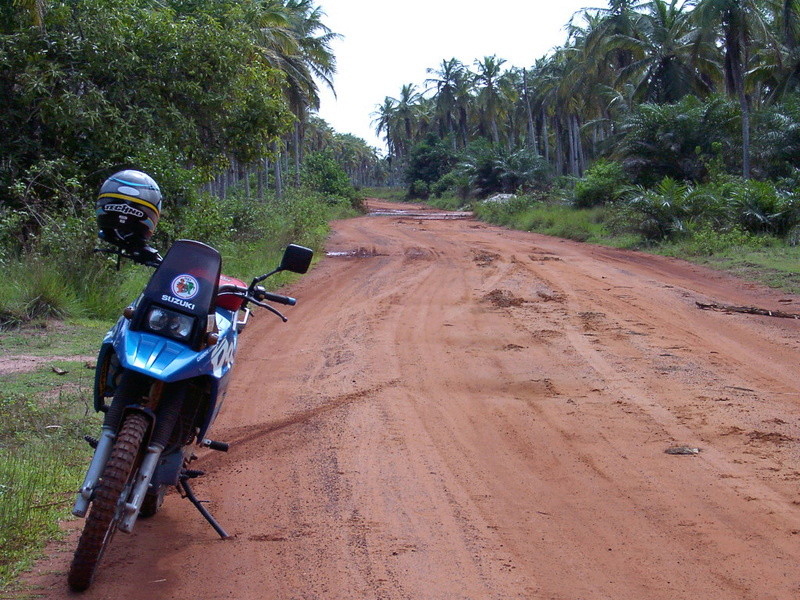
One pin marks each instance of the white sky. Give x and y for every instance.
(389, 43)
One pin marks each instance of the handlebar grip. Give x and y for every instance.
(280, 299)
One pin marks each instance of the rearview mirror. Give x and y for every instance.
(296, 259)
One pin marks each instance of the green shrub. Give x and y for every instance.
(322, 173)
(429, 161)
(707, 241)
(759, 207)
(677, 140)
(529, 213)
(36, 289)
(603, 182)
(453, 182)
(419, 190)
(668, 209)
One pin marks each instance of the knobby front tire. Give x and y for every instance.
(105, 513)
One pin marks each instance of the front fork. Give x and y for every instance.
(169, 413)
(144, 475)
(101, 454)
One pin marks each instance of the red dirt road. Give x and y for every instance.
(457, 411)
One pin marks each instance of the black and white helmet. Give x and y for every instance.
(128, 208)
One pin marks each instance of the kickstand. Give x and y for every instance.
(183, 485)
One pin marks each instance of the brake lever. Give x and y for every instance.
(271, 309)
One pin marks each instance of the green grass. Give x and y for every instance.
(45, 380)
(777, 267)
(77, 337)
(37, 489)
(43, 417)
(583, 225)
(390, 194)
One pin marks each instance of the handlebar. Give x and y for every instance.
(257, 295)
(288, 300)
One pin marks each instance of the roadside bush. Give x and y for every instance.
(677, 140)
(60, 275)
(481, 169)
(322, 173)
(604, 182)
(706, 241)
(454, 183)
(759, 207)
(564, 222)
(522, 170)
(490, 170)
(664, 211)
(204, 218)
(12, 236)
(776, 139)
(530, 213)
(419, 190)
(504, 212)
(429, 161)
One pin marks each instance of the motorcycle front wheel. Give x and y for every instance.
(109, 499)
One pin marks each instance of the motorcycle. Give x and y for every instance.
(165, 367)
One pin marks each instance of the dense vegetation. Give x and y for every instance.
(214, 99)
(681, 115)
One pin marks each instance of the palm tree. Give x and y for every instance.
(291, 36)
(464, 98)
(512, 108)
(313, 59)
(384, 123)
(488, 72)
(734, 23)
(406, 112)
(779, 66)
(666, 61)
(446, 82)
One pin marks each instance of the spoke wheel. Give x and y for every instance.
(110, 495)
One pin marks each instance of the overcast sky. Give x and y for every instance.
(388, 43)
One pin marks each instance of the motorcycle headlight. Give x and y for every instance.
(158, 319)
(170, 323)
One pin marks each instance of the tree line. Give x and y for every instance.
(608, 92)
(196, 92)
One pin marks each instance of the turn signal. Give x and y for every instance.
(212, 339)
(128, 312)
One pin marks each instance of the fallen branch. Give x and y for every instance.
(751, 310)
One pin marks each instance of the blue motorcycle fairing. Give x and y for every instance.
(167, 360)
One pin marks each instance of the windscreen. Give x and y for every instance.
(187, 278)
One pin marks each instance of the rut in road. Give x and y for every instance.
(462, 411)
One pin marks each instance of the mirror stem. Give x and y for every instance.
(258, 280)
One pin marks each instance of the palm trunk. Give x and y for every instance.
(580, 155)
(296, 137)
(545, 136)
(278, 174)
(531, 137)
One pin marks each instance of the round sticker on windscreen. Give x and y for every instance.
(185, 287)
